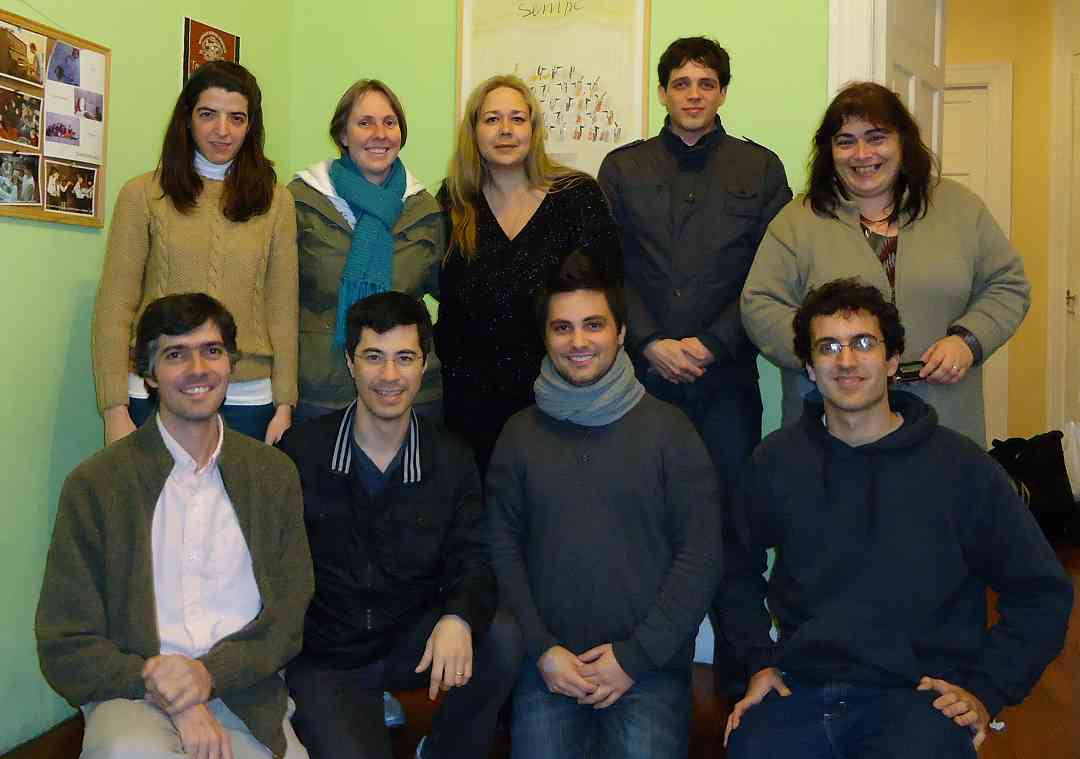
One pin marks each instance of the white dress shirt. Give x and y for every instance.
(204, 586)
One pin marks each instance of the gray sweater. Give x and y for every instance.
(953, 267)
(606, 534)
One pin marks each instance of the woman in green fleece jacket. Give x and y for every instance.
(876, 208)
(364, 225)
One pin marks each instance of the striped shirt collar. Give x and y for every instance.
(341, 455)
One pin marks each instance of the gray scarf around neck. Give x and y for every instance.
(601, 403)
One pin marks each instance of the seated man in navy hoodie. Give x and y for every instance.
(888, 529)
(404, 594)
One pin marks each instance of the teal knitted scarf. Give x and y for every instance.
(376, 208)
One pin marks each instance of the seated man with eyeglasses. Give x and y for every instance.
(888, 528)
(404, 594)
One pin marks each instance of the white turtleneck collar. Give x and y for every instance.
(206, 169)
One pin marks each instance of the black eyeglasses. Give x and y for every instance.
(858, 344)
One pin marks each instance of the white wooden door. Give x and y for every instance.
(977, 126)
(915, 62)
(1072, 319)
(899, 43)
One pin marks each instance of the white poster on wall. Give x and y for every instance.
(583, 59)
(75, 104)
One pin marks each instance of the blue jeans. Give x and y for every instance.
(251, 420)
(844, 721)
(650, 721)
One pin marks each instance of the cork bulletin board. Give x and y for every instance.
(54, 109)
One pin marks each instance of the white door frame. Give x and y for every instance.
(997, 80)
(1061, 129)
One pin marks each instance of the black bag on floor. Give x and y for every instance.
(1037, 467)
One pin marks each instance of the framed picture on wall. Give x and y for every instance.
(204, 43)
(586, 63)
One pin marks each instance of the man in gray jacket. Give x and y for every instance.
(604, 521)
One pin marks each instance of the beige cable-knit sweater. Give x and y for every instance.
(251, 267)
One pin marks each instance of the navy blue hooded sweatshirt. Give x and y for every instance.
(884, 553)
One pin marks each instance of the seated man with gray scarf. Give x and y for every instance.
(604, 514)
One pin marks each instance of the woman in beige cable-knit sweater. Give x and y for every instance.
(211, 218)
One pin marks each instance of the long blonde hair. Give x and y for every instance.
(467, 173)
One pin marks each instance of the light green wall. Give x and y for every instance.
(304, 54)
(46, 391)
(777, 93)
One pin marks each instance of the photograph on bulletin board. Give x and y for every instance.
(20, 118)
(70, 188)
(204, 43)
(584, 62)
(20, 175)
(22, 54)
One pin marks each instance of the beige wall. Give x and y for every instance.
(1019, 32)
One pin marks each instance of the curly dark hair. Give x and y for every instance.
(919, 169)
(845, 296)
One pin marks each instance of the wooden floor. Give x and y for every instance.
(1047, 724)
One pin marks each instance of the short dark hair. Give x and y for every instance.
(702, 50)
(582, 271)
(847, 295)
(881, 106)
(384, 311)
(177, 315)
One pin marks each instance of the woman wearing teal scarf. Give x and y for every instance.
(376, 206)
(364, 226)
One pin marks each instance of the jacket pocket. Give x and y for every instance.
(742, 204)
(410, 542)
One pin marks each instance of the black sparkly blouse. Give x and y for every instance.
(486, 335)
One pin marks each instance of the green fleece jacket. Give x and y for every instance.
(954, 266)
(323, 240)
(96, 617)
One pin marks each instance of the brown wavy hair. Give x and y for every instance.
(249, 184)
(468, 172)
(919, 170)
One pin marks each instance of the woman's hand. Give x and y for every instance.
(118, 423)
(279, 424)
(947, 361)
